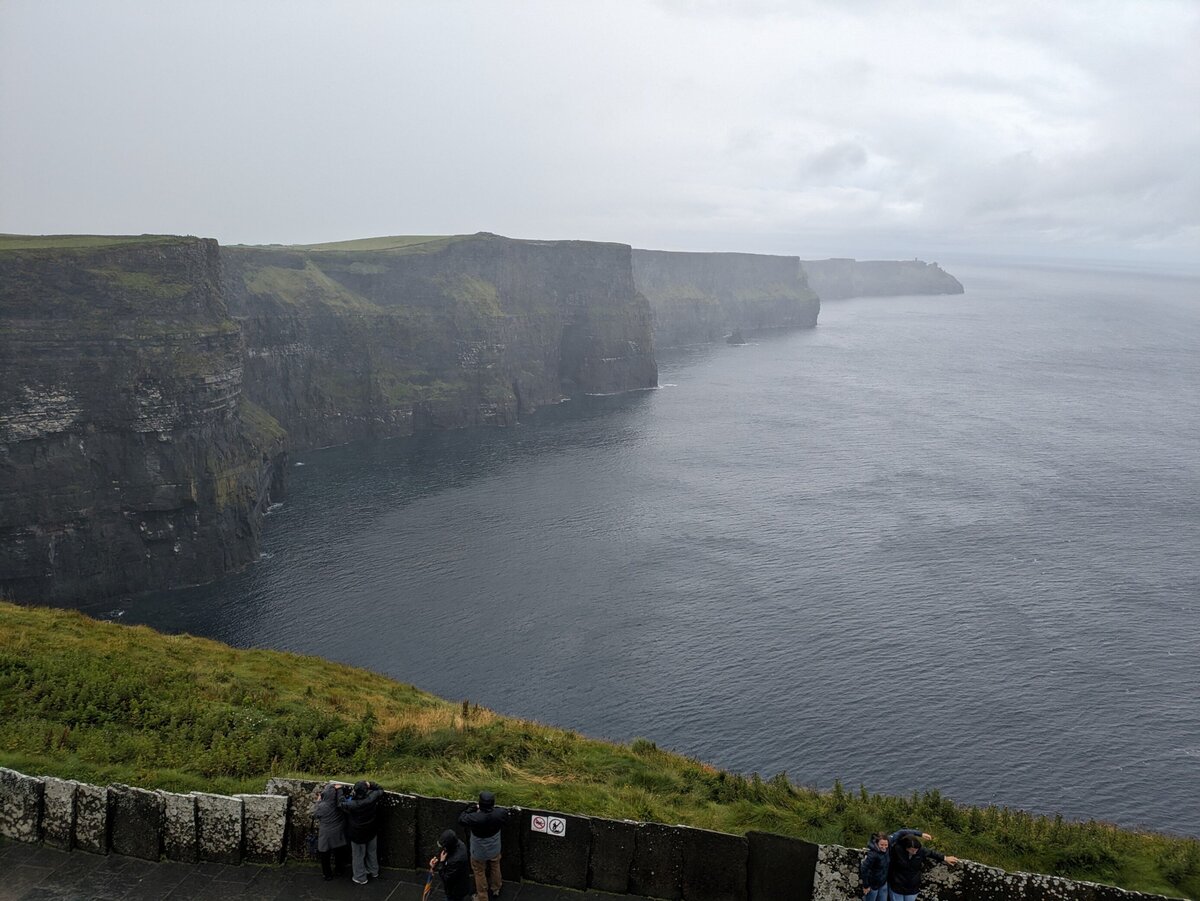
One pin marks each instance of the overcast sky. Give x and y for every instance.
(868, 128)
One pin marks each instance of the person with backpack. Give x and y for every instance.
(907, 861)
(483, 822)
(451, 863)
(873, 870)
(362, 825)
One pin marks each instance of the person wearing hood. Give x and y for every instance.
(907, 861)
(873, 870)
(362, 824)
(483, 821)
(332, 846)
(451, 862)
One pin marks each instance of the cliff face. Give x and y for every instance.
(839, 278)
(389, 336)
(698, 297)
(128, 458)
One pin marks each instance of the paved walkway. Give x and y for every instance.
(34, 873)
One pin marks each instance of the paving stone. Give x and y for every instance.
(264, 827)
(219, 824)
(181, 834)
(58, 812)
(20, 805)
(91, 818)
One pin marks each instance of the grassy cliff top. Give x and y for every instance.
(106, 703)
(84, 242)
(399, 243)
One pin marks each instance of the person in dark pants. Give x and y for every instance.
(872, 872)
(483, 821)
(451, 862)
(332, 846)
(362, 824)
(907, 861)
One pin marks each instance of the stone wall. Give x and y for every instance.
(618, 856)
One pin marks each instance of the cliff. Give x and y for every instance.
(699, 297)
(129, 459)
(840, 278)
(388, 336)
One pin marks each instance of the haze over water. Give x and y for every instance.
(942, 542)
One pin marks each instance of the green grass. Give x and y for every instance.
(405, 243)
(102, 702)
(81, 242)
(304, 287)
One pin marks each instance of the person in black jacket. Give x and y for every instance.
(483, 821)
(872, 872)
(451, 862)
(907, 860)
(362, 827)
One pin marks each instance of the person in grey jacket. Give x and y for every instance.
(483, 821)
(333, 848)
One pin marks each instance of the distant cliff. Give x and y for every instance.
(699, 297)
(129, 459)
(393, 335)
(840, 278)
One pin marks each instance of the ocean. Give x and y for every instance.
(936, 542)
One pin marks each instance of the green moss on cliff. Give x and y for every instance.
(82, 242)
(304, 287)
(102, 702)
(146, 283)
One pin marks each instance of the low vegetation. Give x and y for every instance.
(106, 703)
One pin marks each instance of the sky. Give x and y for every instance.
(861, 128)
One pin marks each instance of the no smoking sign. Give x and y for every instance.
(556, 826)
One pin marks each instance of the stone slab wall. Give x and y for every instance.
(650, 860)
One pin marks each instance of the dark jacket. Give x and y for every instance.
(456, 868)
(904, 869)
(484, 821)
(872, 872)
(362, 810)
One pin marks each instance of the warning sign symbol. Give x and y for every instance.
(538, 823)
(556, 826)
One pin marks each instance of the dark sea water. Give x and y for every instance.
(945, 542)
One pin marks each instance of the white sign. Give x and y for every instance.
(556, 826)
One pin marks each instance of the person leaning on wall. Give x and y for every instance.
(332, 846)
(907, 861)
(483, 821)
(362, 822)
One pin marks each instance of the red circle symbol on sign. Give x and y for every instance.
(539, 822)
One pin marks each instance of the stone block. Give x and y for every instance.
(264, 827)
(613, 845)
(511, 859)
(836, 876)
(714, 865)
(20, 806)
(398, 833)
(556, 859)
(780, 867)
(219, 824)
(657, 870)
(58, 812)
(181, 838)
(301, 823)
(136, 819)
(91, 818)
(435, 816)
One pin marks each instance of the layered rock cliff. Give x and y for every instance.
(129, 458)
(393, 335)
(840, 278)
(699, 297)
